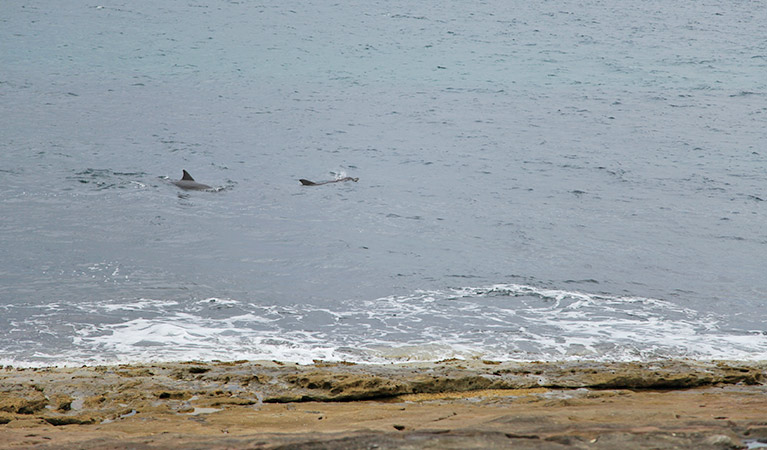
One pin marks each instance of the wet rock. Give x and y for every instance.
(176, 395)
(61, 402)
(665, 440)
(723, 441)
(758, 432)
(29, 403)
(69, 420)
(330, 386)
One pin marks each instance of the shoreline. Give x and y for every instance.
(445, 404)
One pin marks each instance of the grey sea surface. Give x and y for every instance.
(537, 180)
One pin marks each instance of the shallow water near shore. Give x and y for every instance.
(555, 180)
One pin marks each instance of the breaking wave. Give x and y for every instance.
(499, 322)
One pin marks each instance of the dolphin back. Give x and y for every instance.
(306, 182)
(188, 183)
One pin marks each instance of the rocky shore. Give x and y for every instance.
(448, 404)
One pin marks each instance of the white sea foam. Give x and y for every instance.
(138, 305)
(501, 322)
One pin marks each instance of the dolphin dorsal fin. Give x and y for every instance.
(186, 176)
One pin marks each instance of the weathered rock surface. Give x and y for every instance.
(450, 404)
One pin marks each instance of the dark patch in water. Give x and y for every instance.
(590, 280)
(106, 178)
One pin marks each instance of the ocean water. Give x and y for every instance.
(542, 180)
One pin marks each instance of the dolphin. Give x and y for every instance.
(312, 183)
(187, 182)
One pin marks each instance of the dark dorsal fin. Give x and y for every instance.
(186, 176)
(307, 182)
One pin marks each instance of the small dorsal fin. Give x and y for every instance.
(307, 182)
(186, 176)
